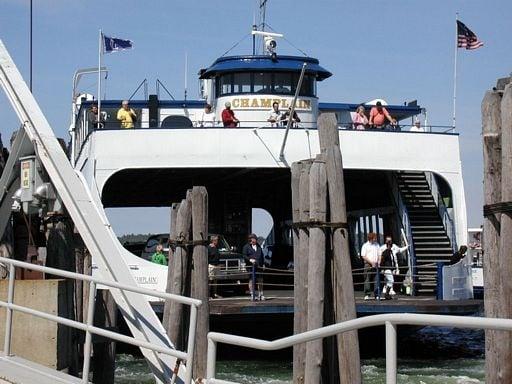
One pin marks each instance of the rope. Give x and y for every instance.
(503, 207)
(183, 243)
(319, 224)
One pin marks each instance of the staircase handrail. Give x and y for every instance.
(442, 209)
(403, 216)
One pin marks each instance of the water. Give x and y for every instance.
(430, 356)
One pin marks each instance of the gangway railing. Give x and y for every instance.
(88, 327)
(390, 321)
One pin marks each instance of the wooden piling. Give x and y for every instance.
(200, 277)
(491, 132)
(343, 287)
(505, 255)
(301, 252)
(179, 271)
(104, 352)
(173, 233)
(316, 267)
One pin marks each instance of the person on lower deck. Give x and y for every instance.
(390, 262)
(253, 253)
(371, 254)
(158, 257)
(459, 255)
(213, 261)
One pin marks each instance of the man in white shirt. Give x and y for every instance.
(417, 127)
(371, 254)
(207, 118)
(275, 115)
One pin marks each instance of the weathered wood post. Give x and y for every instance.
(316, 267)
(200, 276)
(343, 286)
(173, 233)
(300, 261)
(491, 132)
(104, 353)
(180, 270)
(505, 254)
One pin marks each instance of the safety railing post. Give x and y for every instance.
(191, 343)
(88, 334)
(391, 369)
(8, 313)
(211, 359)
(253, 283)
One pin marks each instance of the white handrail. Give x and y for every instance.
(88, 327)
(389, 320)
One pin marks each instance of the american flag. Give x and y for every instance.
(466, 38)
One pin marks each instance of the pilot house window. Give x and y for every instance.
(283, 83)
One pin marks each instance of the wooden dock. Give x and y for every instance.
(281, 302)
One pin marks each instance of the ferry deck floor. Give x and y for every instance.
(281, 302)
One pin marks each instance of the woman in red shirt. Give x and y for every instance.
(228, 116)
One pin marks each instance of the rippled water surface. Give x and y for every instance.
(431, 356)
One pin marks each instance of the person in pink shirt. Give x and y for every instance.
(379, 115)
(359, 120)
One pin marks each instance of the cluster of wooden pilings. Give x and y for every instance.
(497, 241)
(188, 273)
(323, 287)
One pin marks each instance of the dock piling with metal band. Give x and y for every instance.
(320, 235)
(497, 241)
(188, 276)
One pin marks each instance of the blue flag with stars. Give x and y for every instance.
(112, 44)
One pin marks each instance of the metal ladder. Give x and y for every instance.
(86, 215)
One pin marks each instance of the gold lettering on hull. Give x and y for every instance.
(266, 103)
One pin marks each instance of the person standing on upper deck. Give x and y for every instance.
(359, 118)
(285, 116)
(275, 115)
(208, 117)
(228, 116)
(379, 115)
(417, 127)
(371, 254)
(126, 115)
(95, 120)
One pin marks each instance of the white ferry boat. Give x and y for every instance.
(404, 183)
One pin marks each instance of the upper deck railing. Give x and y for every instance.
(84, 127)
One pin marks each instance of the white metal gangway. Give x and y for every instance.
(390, 321)
(87, 216)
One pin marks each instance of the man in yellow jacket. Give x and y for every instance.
(126, 115)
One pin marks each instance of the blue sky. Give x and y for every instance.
(399, 50)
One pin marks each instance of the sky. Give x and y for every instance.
(398, 50)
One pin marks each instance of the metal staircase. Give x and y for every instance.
(431, 242)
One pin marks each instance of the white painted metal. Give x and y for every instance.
(90, 329)
(391, 368)
(247, 148)
(99, 239)
(389, 320)
(88, 334)
(8, 315)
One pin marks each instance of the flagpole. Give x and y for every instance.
(455, 73)
(100, 52)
